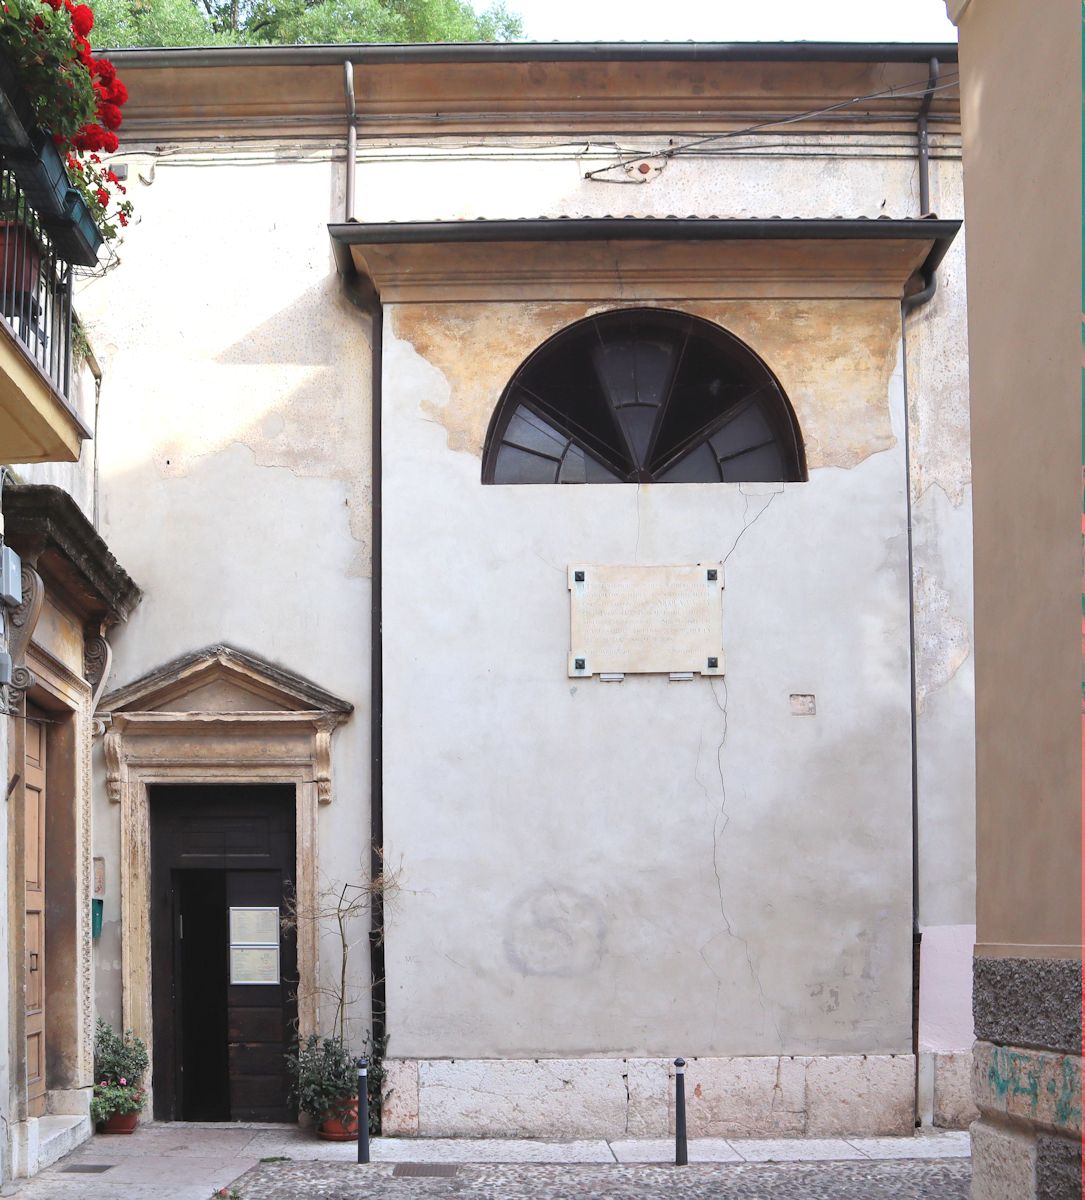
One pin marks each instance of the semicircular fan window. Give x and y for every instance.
(643, 396)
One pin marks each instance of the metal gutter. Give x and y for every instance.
(529, 52)
(685, 229)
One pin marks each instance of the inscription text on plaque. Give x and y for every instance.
(628, 620)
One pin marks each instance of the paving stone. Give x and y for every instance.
(945, 1180)
(795, 1149)
(661, 1150)
(931, 1145)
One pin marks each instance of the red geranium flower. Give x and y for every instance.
(110, 115)
(82, 20)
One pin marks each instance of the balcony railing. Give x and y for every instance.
(35, 285)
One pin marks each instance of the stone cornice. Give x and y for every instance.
(642, 259)
(184, 95)
(46, 527)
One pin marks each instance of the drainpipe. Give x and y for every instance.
(910, 304)
(96, 372)
(352, 138)
(364, 296)
(924, 141)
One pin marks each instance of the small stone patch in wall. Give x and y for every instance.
(803, 705)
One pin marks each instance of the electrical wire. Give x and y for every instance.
(671, 151)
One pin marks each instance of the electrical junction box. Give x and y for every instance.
(11, 577)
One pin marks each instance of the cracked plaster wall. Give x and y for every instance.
(234, 460)
(235, 480)
(646, 867)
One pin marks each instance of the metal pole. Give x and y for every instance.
(363, 1110)
(681, 1158)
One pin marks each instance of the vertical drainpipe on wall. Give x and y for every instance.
(908, 305)
(364, 296)
(96, 372)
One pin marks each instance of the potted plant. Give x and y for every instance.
(325, 1085)
(59, 109)
(119, 1096)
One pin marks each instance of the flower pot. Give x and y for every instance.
(44, 178)
(16, 111)
(20, 258)
(76, 236)
(332, 1129)
(120, 1123)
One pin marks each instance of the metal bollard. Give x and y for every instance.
(363, 1110)
(681, 1157)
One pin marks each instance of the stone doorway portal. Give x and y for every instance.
(216, 719)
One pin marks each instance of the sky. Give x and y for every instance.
(734, 20)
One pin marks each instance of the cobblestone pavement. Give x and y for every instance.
(277, 1162)
(933, 1180)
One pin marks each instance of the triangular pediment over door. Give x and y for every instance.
(222, 679)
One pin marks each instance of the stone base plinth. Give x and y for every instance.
(1027, 1143)
(788, 1096)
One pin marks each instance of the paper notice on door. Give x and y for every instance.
(254, 926)
(254, 964)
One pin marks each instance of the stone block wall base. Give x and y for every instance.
(945, 1089)
(786, 1096)
(40, 1141)
(1011, 1162)
(1027, 1143)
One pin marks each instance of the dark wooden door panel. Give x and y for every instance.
(258, 1017)
(219, 1047)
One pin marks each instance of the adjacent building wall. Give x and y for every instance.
(1022, 186)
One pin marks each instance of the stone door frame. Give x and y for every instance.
(145, 749)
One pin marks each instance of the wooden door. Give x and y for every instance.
(34, 849)
(219, 1044)
(259, 1037)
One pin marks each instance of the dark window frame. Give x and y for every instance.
(576, 360)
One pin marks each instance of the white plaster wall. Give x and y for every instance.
(937, 339)
(235, 489)
(643, 868)
(234, 462)
(800, 175)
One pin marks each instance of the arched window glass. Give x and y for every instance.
(643, 396)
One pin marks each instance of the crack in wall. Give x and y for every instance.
(722, 818)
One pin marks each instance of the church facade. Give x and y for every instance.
(546, 472)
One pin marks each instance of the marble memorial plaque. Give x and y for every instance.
(627, 620)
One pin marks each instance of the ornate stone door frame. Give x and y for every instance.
(277, 745)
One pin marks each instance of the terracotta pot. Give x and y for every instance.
(331, 1129)
(20, 258)
(120, 1123)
